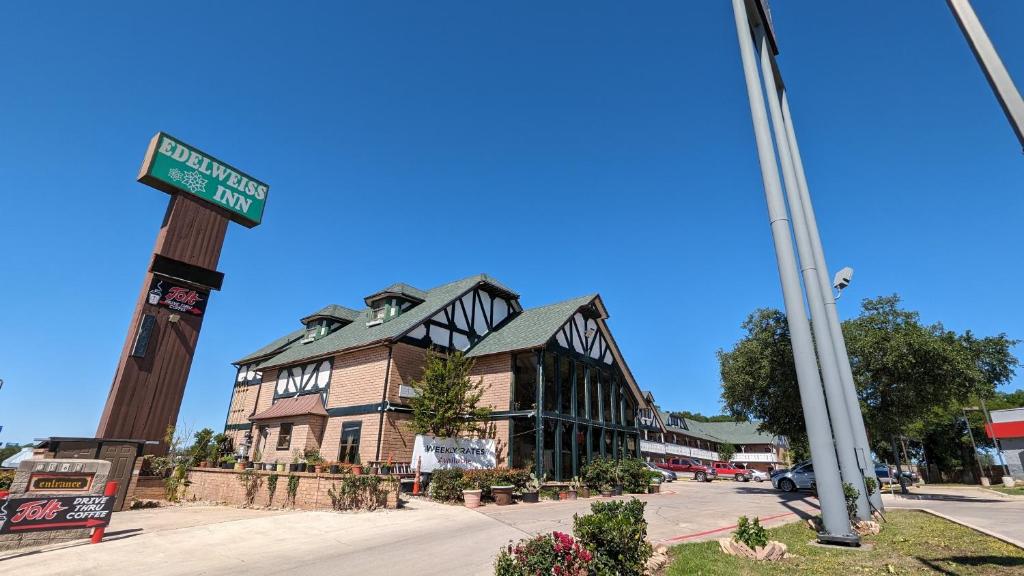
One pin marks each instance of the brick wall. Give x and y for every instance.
(243, 402)
(307, 432)
(358, 377)
(367, 436)
(496, 372)
(266, 390)
(215, 485)
(406, 365)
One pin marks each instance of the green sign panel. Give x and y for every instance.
(173, 166)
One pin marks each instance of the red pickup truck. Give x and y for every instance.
(728, 469)
(700, 472)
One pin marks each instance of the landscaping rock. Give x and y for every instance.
(867, 527)
(771, 552)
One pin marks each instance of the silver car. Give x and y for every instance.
(800, 477)
(666, 475)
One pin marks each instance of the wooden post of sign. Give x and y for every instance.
(110, 490)
(149, 383)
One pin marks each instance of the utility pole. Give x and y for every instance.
(998, 78)
(981, 473)
(835, 520)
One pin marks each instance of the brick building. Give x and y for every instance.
(559, 388)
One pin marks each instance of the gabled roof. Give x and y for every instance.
(295, 406)
(736, 432)
(272, 348)
(398, 289)
(358, 334)
(530, 329)
(333, 311)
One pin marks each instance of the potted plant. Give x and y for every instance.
(357, 468)
(279, 466)
(472, 498)
(314, 462)
(574, 488)
(531, 492)
(386, 467)
(606, 491)
(334, 468)
(502, 494)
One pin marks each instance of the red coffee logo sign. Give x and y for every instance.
(36, 510)
(183, 295)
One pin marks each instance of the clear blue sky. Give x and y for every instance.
(564, 148)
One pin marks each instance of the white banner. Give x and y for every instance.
(441, 453)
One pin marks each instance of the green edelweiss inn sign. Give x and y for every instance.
(173, 166)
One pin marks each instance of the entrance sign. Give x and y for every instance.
(58, 513)
(444, 453)
(173, 166)
(60, 483)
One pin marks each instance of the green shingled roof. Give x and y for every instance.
(271, 348)
(334, 311)
(399, 288)
(531, 328)
(358, 334)
(736, 432)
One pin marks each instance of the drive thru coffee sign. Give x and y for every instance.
(173, 166)
(443, 453)
(58, 513)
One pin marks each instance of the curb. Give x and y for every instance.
(984, 531)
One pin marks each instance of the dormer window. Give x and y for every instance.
(391, 302)
(317, 329)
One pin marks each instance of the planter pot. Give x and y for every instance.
(240, 466)
(1008, 481)
(618, 490)
(607, 493)
(653, 488)
(357, 470)
(335, 469)
(570, 495)
(502, 495)
(250, 465)
(226, 466)
(472, 498)
(318, 469)
(563, 495)
(280, 467)
(531, 497)
(984, 481)
(584, 492)
(301, 467)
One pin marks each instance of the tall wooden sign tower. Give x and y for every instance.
(206, 194)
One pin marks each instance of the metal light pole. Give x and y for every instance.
(995, 439)
(819, 434)
(973, 444)
(1008, 95)
(834, 394)
(834, 326)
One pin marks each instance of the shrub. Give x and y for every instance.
(252, 482)
(870, 484)
(6, 479)
(616, 534)
(360, 492)
(483, 479)
(554, 553)
(598, 473)
(446, 485)
(851, 494)
(271, 488)
(635, 475)
(293, 488)
(750, 532)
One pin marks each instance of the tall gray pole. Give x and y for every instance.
(819, 435)
(1008, 95)
(835, 328)
(834, 396)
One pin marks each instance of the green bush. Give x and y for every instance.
(360, 492)
(851, 494)
(871, 484)
(555, 553)
(483, 479)
(635, 475)
(446, 485)
(616, 534)
(599, 473)
(750, 533)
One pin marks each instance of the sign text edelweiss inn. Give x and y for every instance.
(172, 165)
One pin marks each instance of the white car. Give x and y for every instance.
(759, 476)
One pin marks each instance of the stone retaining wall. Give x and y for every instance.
(218, 485)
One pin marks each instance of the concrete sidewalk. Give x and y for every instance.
(983, 510)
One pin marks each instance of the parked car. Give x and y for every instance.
(886, 475)
(730, 470)
(755, 475)
(701, 473)
(800, 477)
(666, 475)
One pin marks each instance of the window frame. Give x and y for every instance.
(281, 434)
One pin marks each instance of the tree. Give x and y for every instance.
(698, 417)
(911, 378)
(725, 451)
(10, 449)
(446, 400)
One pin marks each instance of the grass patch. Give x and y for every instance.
(1015, 491)
(910, 543)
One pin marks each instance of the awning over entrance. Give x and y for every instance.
(296, 406)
